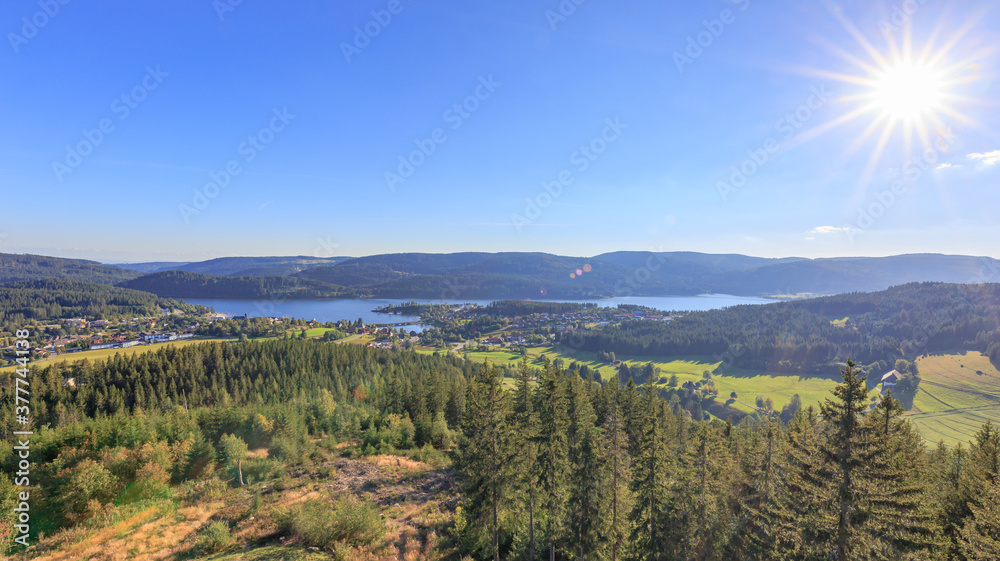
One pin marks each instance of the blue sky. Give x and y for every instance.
(310, 112)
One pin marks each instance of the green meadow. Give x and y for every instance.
(958, 393)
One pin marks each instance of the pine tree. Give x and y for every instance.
(526, 447)
(484, 462)
(588, 474)
(649, 533)
(848, 449)
(900, 515)
(980, 537)
(763, 493)
(553, 454)
(804, 514)
(615, 446)
(702, 514)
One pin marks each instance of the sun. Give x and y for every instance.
(909, 91)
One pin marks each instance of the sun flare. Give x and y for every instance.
(909, 91)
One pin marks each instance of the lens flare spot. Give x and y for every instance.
(586, 268)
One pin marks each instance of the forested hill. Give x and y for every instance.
(240, 266)
(59, 299)
(181, 284)
(813, 336)
(510, 275)
(16, 267)
(540, 275)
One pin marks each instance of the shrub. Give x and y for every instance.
(215, 537)
(85, 483)
(261, 469)
(347, 522)
(231, 449)
(286, 449)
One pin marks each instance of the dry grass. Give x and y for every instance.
(399, 461)
(143, 537)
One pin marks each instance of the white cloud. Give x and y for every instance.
(948, 166)
(988, 158)
(827, 230)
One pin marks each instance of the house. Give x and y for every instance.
(97, 324)
(889, 379)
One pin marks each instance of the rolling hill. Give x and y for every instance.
(239, 266)
(27, 267)
(480, 275)
(183, 284)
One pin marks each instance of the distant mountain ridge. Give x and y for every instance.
(512, 275)
(239, 266)
(15, 267)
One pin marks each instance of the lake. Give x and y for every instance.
(336, 310)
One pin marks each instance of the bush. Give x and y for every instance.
(231, 450)
(286, 449)
(88, 482)
(348, 522)
(215, 537)
(261, 469)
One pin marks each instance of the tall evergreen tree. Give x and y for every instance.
(553, 454)
(615, 446)
(848, 449)
(587, 476)
(484, 463)
(980, 536)
(649, 530)
(526, 452)
(900, 516)
(763, 493)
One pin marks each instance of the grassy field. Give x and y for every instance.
(958, 393)
(314, 332)
(102, 354)
(746, 383)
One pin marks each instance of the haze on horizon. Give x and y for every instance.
(386, 126)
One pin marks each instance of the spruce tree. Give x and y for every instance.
(763, 493)
(526, 450)
(980, 536)
(900, 515)
(848, 449)
(649, 530)
(553, 454)
(619, 500)
(484, 463)
(804, 516)
(588, 477)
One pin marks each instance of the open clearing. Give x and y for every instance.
(746, 383)
(102, 354)
(416, 502)
(958, 393)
